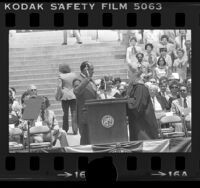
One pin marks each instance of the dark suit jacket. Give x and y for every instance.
(163, 101)
(84, 91)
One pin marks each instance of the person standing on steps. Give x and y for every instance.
(65, 93)
(76, 33)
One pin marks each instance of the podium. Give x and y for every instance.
(106, 121)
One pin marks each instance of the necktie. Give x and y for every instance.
(185, 103)
(42, 115)
(153, 101)
(181, 41)
(134, 51)
(150, 59)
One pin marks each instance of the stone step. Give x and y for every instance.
(68, 48)
(28, 65)
(53, 68)
(22, 85)
(105, 35)
(31, 41)
(18, 74)
(64, 56)
(53, 46)
(46, 59)
(43, 34)
(64, 52)
(46, 78)
(71, 43)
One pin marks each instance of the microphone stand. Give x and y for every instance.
(105, 87)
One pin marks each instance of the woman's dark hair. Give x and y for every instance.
(161, 58)
(174, 82)
(186, 80)
(162, 79)
(13, 89)
(47, 102)
(164, 36)
(10, 100)
(139, 54)
(133, 38)
(148, 44)
(84, 64)
(64, 68)
(76, 79)
(102, 83)
(182, 85)
(118, 79)
(180, 50)
(163, 49)
(26, 93)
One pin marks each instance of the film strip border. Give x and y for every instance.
(46, 166)
(107, 20)
(173, 166)
(145, 16)
(83, 20)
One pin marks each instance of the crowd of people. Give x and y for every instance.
(46, 118)
(159, 71)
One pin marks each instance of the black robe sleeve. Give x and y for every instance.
(141, 96)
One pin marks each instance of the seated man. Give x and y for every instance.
(13, 123)
(182, 104)
(189, 85)
(174, 87)
(163, 97)
(47, 117)
(32, 90)
(156, 99)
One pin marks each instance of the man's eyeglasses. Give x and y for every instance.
(182, 90)
(33, 89)
(174, 87)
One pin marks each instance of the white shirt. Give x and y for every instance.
(152, 36)
(109, 95)
(156, 104)
(188, 100)
(131, 55)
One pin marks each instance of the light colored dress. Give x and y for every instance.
(109, 95)
(180, 66)
(131, 54)
(160, 72)
(151, 59)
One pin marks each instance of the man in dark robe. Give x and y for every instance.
(84, 89)
(141, 115)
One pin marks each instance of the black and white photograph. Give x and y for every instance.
(89, 91)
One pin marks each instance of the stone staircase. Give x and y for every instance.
(34, 59)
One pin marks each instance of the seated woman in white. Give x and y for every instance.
(107, 91)
(180, 65)
(161, 70)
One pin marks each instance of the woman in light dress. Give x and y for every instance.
(180, 65)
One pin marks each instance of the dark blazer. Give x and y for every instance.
(163, 101)
(84, 91)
